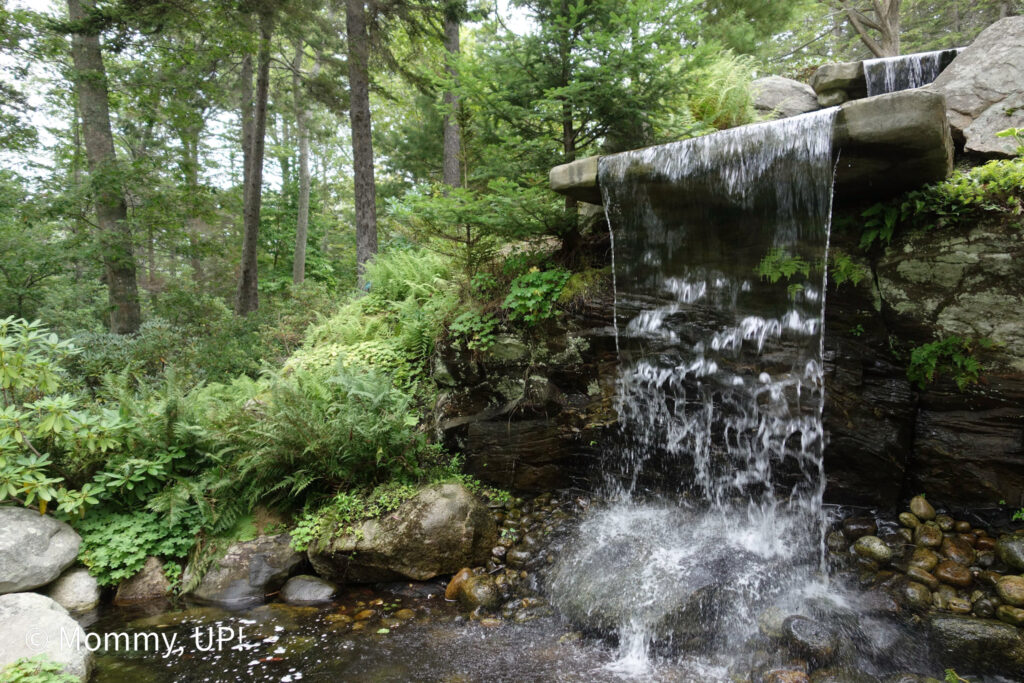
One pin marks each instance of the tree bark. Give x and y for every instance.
(452, 131)
(886, 23)
(115, 234)
(248, 281)
(302, 122)
(356, 30)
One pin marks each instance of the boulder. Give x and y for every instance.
(307, 590)
(150, 583)
(577, 179)
(783, 97)
(247, 572)
(441, 529)
(34, 549)
(32, 624)
(982, 646)
(1011, 550)
(76, 590)
(845, 77)
(983, 89)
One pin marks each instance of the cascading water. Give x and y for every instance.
(891, 74)
(715, 476)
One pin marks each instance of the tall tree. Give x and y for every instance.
(253, 142)
(302, 123)
(115, 235)
(357, 33)
(452, 19)
(877, 27)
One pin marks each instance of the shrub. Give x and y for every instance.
(952, 356)
(532, 295)
(38, 669)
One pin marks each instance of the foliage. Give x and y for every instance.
(38, 669)
(532, 295)
(476, 330)
(994, 188)
(719, 96)
(952, 356)
(843, 268)
(115, 545)
(779, 264)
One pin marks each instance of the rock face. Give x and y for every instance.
(247, 572)
(783, 97)
(34, 549)
(837, 83)
(440, 530)
(977, 645)
(149, 584)
(32, 624)
(983, 89)
(76, 590)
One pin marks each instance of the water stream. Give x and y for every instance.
(891, 74)
(716, 472)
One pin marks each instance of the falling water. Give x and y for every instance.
(716, 472)
(891, 74)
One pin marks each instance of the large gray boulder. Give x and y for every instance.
(441, 529)
(984, 89)
(76, 590)
(34, 549)
(32, 624)
(982, 646)
(247, 572)
(783, 97)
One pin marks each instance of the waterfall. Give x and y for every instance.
(891, 74)
(715, 475)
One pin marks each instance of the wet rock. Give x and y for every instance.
(76, 590)
(34, 549)
(307, 590)
(841, 675)
(924, 558)
(1011, 615)
(928, 535)
(365, 615)
(810, 639)
(498, 552)
(1011, 590)
(836, 542)
(479, 591)
(405, 614)
(441, 529)
(962, 527)
(922, 509)
(958, 551)
(909, 520)
(959, 605)
(786, 676)
(451, 592)
(873, 548)
(51, 628)
(921, 576)
(518, 557)
(985, 608)
(909, 678)
(856, 527)
(770, 622)
(916, 595)
(247, 572)
(989, 578)
(150, 583)
(1010, 549)
(954, 574)
(967, 643)
(945, 522)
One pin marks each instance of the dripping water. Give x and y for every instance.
(892, 74)
(715, 474)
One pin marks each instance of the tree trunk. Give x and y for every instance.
(111, 212)
(362, 144)
(302, 122)
(452, 132)
(248, 281)
(886, 22)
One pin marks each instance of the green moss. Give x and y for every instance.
(584, 286)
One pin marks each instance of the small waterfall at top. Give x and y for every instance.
(715, 478)
(891, 74)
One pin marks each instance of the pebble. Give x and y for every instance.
(921, 576)
(809, 638)
(916, 595)
(925, 559)
(405, 614)
(985, 543)
(958, 551)
(1011, 550)
(1011, 615)
(451, 592)
(929, 535)
(909, 520)
(945, 522)
(959, 605)
(786, 677)
(518, 557)
(873, 548)
(962, 527)
(1010, 590)
(922, 508)
(985, 608)
(490, 622)
(365, 614)
(954, 574)
(836, 542)
(989, 578)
